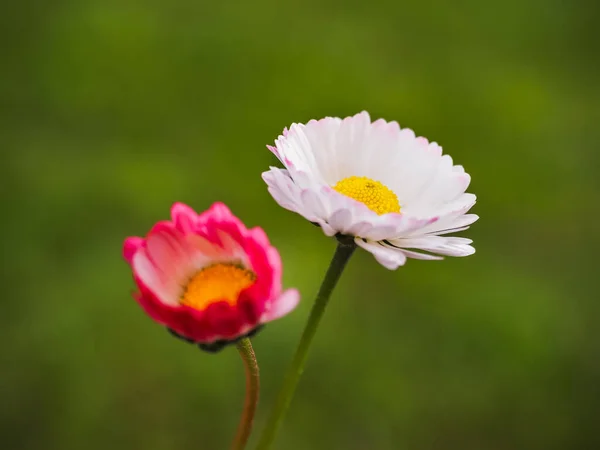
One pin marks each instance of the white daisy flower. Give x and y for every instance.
(395, 193)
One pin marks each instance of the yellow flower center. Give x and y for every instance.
(376, 195)
(219, 282)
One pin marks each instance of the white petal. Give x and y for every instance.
(314, 202)
(452, 225)
(423, 256)
(341, 220)
(441, 245)
(447, 221)
(388, 257)
(287, 193)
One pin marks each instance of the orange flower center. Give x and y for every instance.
(219, 282)
(376, 195)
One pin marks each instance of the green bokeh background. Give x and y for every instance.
(112, 110)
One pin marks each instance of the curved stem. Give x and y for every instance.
(244, 346)
(340, 258)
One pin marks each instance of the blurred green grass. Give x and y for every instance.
(112, 110)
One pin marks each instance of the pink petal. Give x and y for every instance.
(150, 277)
(131, 246)
(184, 217)
(282, 305)
(169, 252)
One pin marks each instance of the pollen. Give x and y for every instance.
(377, 196)
(219, 282)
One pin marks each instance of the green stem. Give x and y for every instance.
(342, 254)
(244, 346)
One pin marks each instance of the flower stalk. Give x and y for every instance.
(344, 251)
(246, 351)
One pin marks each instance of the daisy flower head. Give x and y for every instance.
(208, 278)
(393, 192)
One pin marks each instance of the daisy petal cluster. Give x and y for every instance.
(394, 192)
(207, 277)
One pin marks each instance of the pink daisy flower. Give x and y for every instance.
(208, 278)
